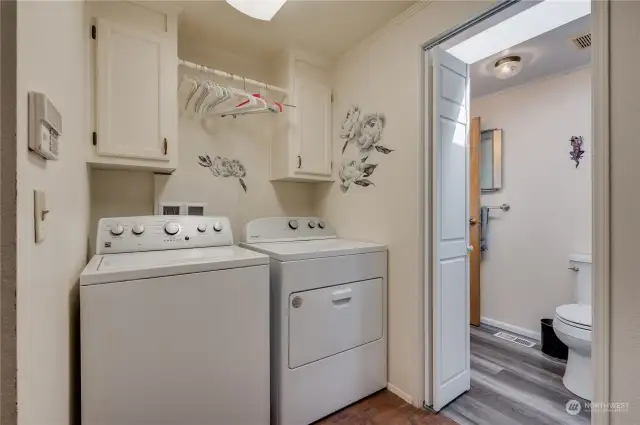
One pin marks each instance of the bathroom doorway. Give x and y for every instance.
(528, 195)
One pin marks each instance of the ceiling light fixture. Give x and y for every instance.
(264, 10)
(508, 67)
(536, 20)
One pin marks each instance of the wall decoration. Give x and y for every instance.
(576, 152)
(355, 172)
(365, 133)
(224, 167)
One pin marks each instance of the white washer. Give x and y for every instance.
(328, 317)
(174, 325)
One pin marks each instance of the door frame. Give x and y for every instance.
(601, 224)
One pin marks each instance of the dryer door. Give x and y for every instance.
(327, 321)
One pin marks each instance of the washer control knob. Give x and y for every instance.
(312, 225)
(202, 227)
(137, 229)
(321, 224)
(217, 226)
(116, 229)
(293, 224)
(171, 228)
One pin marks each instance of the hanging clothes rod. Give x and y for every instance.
(231, 76)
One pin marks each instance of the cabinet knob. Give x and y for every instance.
(299, 161)
(166, 146)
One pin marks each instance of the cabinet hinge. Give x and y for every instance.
(331, 165)
(95, 138)
(94, 32)
(331, 97)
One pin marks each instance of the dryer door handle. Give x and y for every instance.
(341, 296)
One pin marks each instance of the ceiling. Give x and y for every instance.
(323, 27)
(547, 54)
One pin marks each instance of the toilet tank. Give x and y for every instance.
(581, 265)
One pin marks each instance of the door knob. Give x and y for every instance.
(470, 249)
(473, 221)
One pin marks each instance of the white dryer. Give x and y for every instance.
(174, 325)
(328, 317)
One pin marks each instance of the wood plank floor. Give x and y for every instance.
(512, 385)
(384, 408)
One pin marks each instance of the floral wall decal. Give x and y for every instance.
(576, 152)
(365, 133)
(225, 167)
(355, 172)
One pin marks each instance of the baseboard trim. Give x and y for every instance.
(397, 391)
(510, 328)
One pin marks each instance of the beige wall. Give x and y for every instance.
(52, 58)
(383, 75)
(529, 246)
(625, 208)
(123, 193)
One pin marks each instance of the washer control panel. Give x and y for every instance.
(160, 232)
(275, 229)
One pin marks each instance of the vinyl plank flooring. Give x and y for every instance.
(512, 385)
(384, 408)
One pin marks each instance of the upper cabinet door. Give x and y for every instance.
(133, 92)
(314, 127)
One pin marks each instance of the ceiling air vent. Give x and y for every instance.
(582, 42)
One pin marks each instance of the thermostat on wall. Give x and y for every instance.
(45, 126)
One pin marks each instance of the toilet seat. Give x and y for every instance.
(575, 315)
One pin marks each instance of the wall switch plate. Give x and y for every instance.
(40, 212)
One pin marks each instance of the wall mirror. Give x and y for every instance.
(491, 160)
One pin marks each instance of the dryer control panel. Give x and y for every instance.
(156, 232)
(280, 229)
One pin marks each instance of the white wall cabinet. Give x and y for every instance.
(301, 146)
(135, 74)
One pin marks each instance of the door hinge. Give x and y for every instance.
(94, 32)
(95, 138)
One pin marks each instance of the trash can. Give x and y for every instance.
(551, 345)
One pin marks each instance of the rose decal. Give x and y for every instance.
(576, 153)
(350, 125)
(365, 132)
(355, 172)
(224, 167)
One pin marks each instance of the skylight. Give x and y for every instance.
(264, 10)
(524, 26)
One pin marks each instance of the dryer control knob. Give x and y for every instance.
(137, 229)
(293, 224)
(202, 228)
(217, 226)
(321, 224)
(312, 225)
(116, 229)
(171, 228)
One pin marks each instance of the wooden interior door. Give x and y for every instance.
(474, 220)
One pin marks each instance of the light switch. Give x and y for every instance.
(40, 212)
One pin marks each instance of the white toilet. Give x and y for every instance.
(572, 325)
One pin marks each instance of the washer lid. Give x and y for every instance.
(575, 313)
(142, 265)
(303, 250)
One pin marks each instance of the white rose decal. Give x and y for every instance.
(350, 125)
(355, 172)
(366, 133)
(224, 167)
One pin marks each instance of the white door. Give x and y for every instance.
(134, 88)
(450, 293)
(314, 127)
